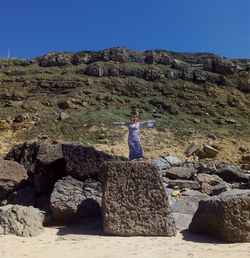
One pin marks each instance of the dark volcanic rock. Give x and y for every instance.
(20, 221)
(83, 161)
(12, 175)
(72, 200)
(134, 201)
(224, 216)
(48, 167)
(231, 173)
(179, 173)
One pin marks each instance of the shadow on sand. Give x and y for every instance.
(86, 227)
(200, 238)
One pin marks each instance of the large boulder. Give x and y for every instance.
(12, 176)
(84, 161)
(231, 173)
(72, 200)
(225, 216)
(134, 201)
(20, 221)
(48, 167)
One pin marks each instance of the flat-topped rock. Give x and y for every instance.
(134, 201)
(225, 216)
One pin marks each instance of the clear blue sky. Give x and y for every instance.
(34, 27)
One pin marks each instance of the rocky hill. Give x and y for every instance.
(76, 96)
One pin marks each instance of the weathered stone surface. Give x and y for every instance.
(179, 173)
(184, 184)
(161, 163)
(210, 179)
(224, 216)
(208, 168)
(224, 66)
(173, 160)
(134, 201)
(208, 152)
(72, 200)
(231, 173)
(63, 116)
(185, 204)
(24, 153)
(95, 70)
(119, 54)
(54, 59)
(83, 161)
(20, 221)
(192, 193)
(48, 167)
(12, 175)
(193, 148)
(206, 188)
(182, 221)
(220, 188)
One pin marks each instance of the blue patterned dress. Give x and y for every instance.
(134, 141)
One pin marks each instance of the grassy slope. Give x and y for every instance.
(202, 108)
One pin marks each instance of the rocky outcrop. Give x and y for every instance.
(20, 221)
(54, 59)
(12, 176)
(72, 200)
(84, 161)
(224, 216)
(134, 202)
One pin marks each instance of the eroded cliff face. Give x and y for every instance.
(76, 96)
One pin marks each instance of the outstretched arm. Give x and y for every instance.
(119, 123)
(149, 123)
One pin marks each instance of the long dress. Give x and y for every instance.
(134, 140)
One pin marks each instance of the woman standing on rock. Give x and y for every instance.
(134, 141)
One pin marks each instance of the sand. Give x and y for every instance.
(79, 241)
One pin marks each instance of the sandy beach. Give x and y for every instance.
(88, 242)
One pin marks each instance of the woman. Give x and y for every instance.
(134, 142)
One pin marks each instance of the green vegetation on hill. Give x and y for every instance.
(183, 92)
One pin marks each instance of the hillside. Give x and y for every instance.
(76, 96)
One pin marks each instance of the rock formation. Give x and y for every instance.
(134, 201)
